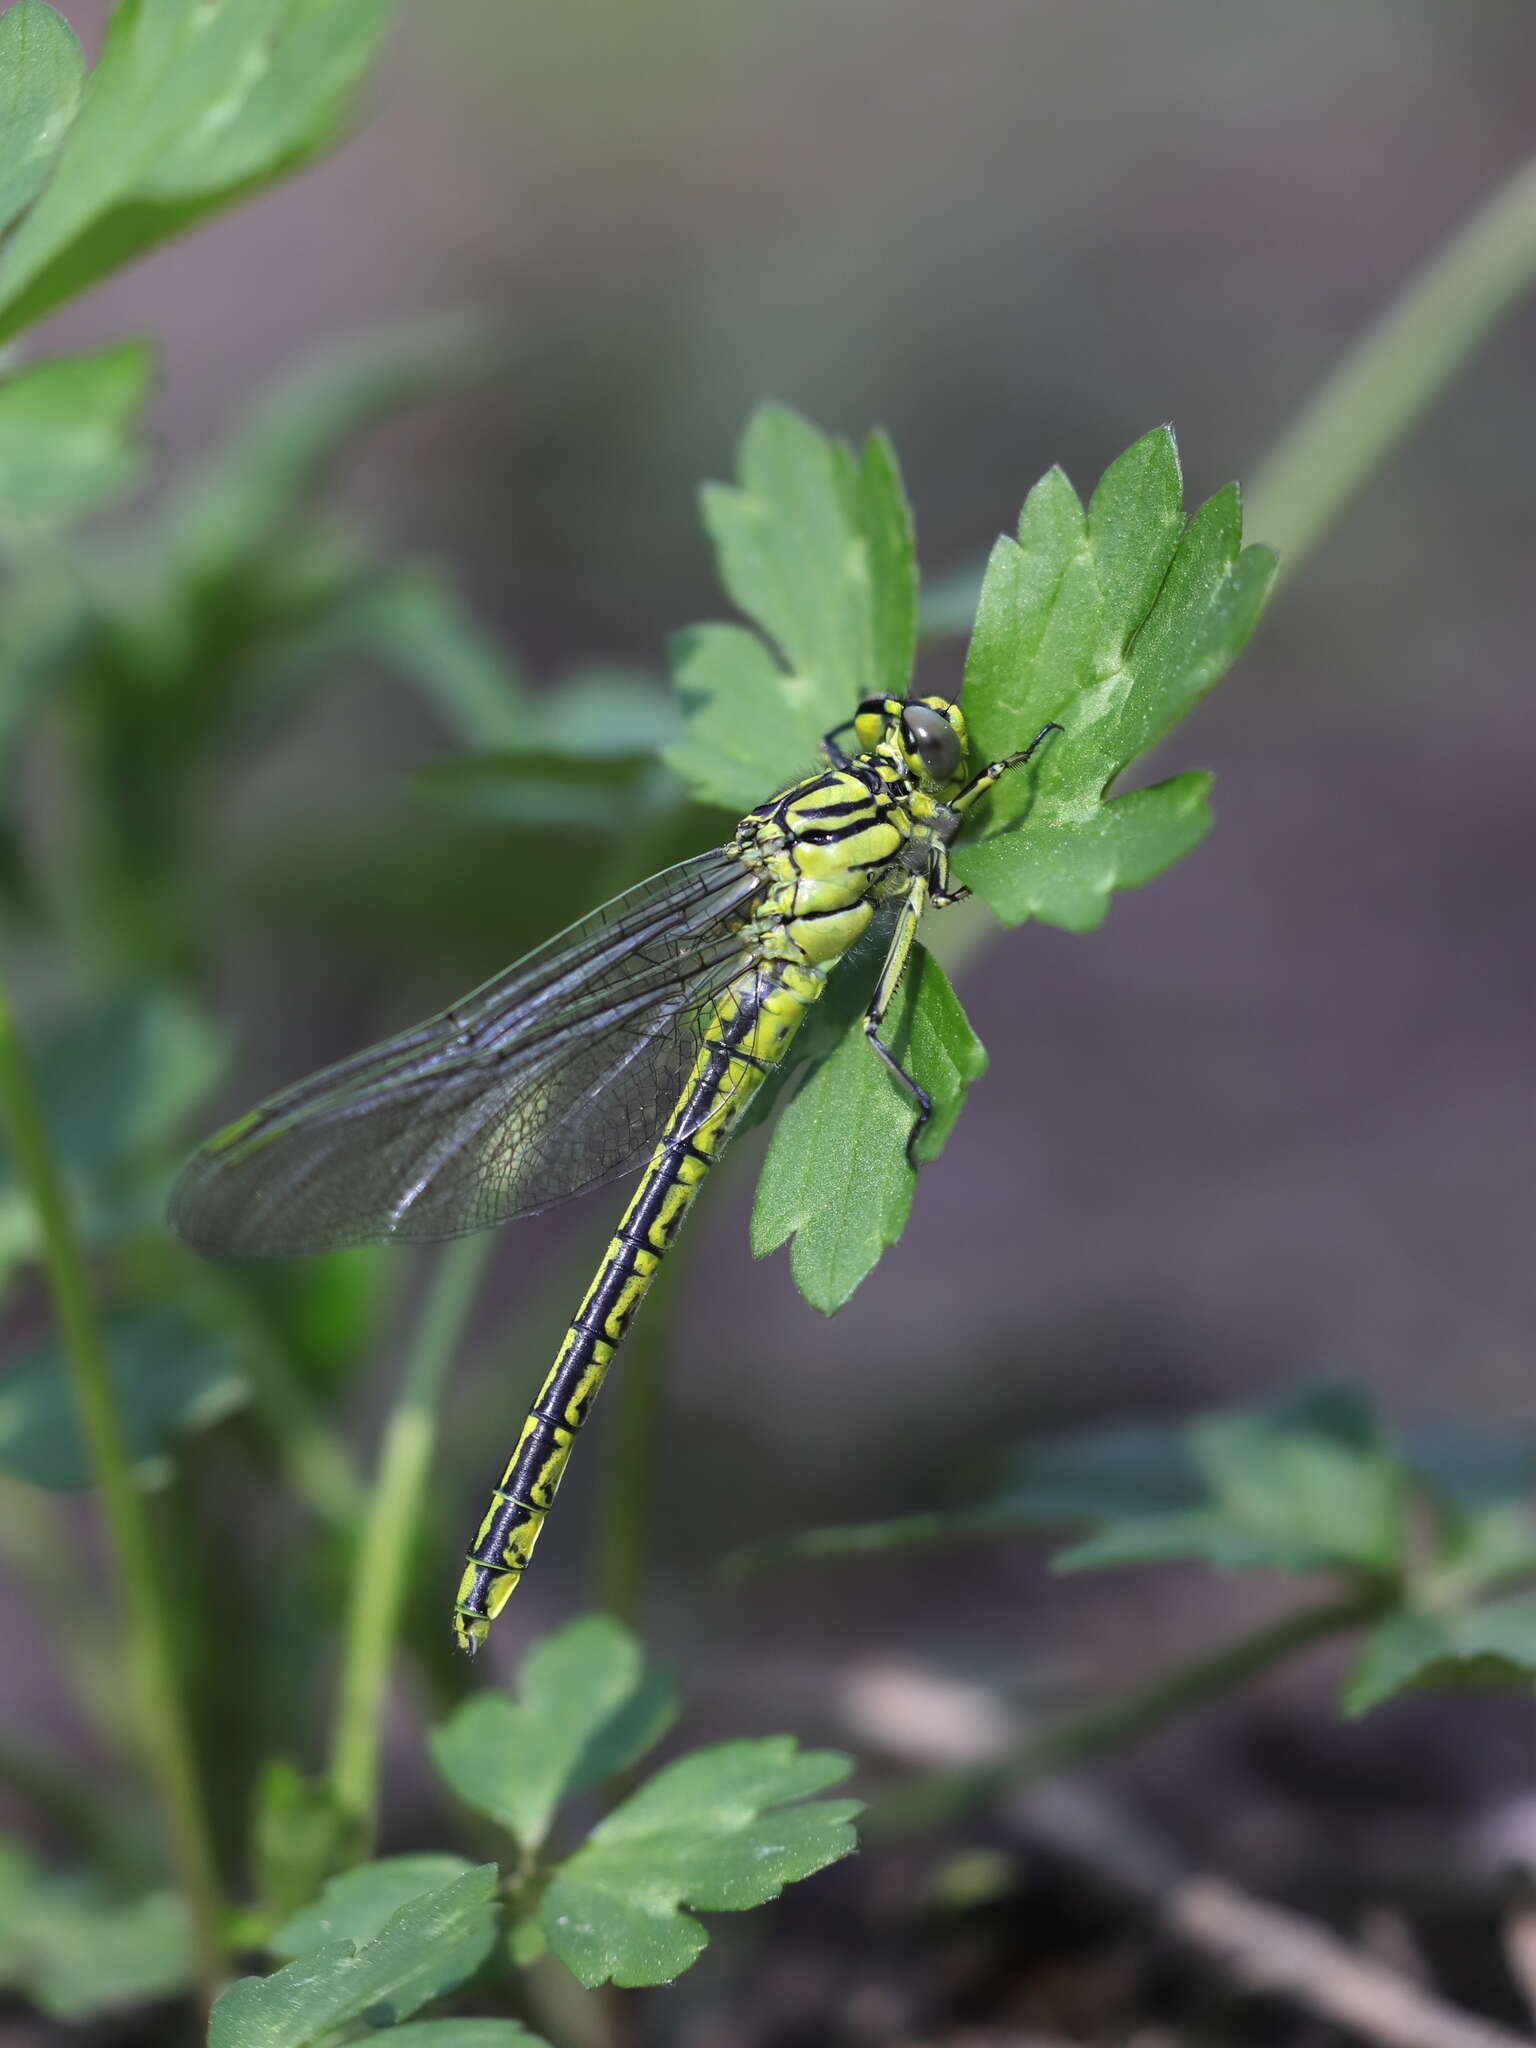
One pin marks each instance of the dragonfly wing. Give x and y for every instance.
(556, 1076)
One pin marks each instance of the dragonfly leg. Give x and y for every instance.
(831, 747)
(979, 784)
(943, 889)
(902, 939)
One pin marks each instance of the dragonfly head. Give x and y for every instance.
(925, 734)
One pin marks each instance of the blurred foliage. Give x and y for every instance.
(1432, 1532)
(75, 1951)
(188, 110)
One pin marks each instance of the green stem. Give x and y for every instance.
(628, 1501)
(387, 1538)
(166, 1736)
(1102, 1730)
(1394, 373)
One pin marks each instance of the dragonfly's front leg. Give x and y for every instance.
(978, 785)
(832, 749)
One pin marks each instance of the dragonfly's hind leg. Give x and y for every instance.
(902, 939)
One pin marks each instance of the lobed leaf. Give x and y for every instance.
(1338, 1501)
(814, 545)
(1190, 1536)
(1113, 622)
(69, 434)
(1495, 1644)
(719, 1830)
(188, 108)
(41, 75)
(836, 1180)
(427, 1947)
(358, 1904)
(588, 1710)
(1307, 1484)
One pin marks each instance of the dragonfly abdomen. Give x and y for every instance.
(754, 1019)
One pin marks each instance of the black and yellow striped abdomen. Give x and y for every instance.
(755, 1019)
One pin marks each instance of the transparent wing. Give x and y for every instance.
(552, 1078)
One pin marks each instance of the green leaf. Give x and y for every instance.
(836, 1179)
(75, 1953)
(117, 1085)
(718, 1830)
(172, 1378)
(301, 1834)
(1188, 1535)
(1482, 1547)
(119, 1082)
(426, 1948)
(1113, 623)
(1338, 1500)
(815, 546)
(68, 434)
(356, 1905)
(1305, 1484)
(588, 1710)
(1492, 1645)
(189, 107)
(41, 73)
(464, 2034)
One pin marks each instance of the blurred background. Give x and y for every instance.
(1275, 1118)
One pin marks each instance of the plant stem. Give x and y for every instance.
(1099, 1730)
(628, 1502)
(387, 1537)
(1394, 373)
(165, 1733)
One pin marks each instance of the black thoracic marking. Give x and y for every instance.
(835, 834)
(846, 809)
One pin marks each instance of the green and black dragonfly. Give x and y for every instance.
(645, 1029)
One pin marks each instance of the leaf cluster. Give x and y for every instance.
(1111, 620)
(718, 1829)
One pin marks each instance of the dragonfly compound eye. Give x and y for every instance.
(932, 740)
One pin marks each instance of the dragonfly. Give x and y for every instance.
(639, 1035)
